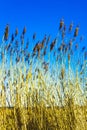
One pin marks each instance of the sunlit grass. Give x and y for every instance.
(45, 89)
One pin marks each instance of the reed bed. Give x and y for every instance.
(43, 85)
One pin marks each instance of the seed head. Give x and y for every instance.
(6, 33)
(48, 39)
(34, 36)
(24, 30)
(68, 57)
(61, 24)
(70, 27)
(16, 32)
(62, 73)
(76, 31)
(12, 38)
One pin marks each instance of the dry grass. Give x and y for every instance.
(42, 118)
(39, 94)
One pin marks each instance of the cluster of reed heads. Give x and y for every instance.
(47, 73)
(59, 62)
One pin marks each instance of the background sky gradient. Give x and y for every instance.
(42, 16)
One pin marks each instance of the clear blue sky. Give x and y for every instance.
(42, 16)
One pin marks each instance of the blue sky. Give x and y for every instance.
(42, 16)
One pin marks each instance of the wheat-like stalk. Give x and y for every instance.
(44, 89)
